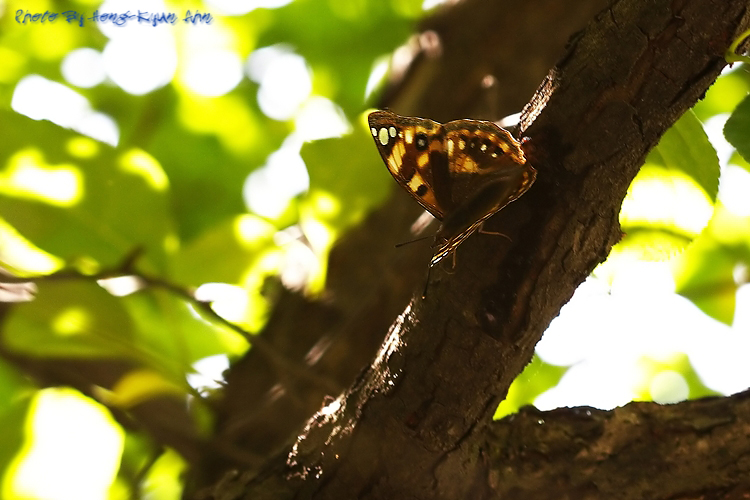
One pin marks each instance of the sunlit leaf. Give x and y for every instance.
(82, 207)
(138, 386)
(535, 379)
(15, 398)
(76, 434)
(675, 370)
(685, 147)
(172, 336)
(705, 276)
(670, 201)
(724, 95)
(70, 319)
(347, 178)
(737, 128)
(223, 252)
(342, 39)
(137, 454)
(163, 480)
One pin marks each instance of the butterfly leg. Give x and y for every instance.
(482, 231)
(453, 264)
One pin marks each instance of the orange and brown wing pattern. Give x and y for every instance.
(480, 147)
(488, 168)
(462, 172)
(412, 149)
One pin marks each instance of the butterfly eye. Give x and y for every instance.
(421, 141)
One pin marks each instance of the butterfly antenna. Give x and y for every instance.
(398, 245)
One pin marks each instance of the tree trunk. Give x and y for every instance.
(417, 422)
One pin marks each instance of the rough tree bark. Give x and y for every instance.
(417, 422)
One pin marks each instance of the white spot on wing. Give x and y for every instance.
(392, 131)
(383, 136)
(374, 132)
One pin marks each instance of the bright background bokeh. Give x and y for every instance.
(193, 147)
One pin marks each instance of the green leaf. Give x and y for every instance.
(535, 379)
(685, 147)
(164, 478)
(724, 95)
(76, 319)
(671, 199)
(737, 128)
(171, 336)
(705, 277)
(224, 252)
(15, 398)
(138, 386)
(207, 148)
(347, 178)
(81, 200)
(676, 363)
(341, 40)
(137, 455)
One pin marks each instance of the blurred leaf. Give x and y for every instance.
(724, 95)
(650, 244)
(13, 421)
(78, 318)
(739, 161)
(206, 169)
(81, 205)
(172, 336)
(342, 40)
(137, 455)
(670, 200)
(70, 319)
(535, 379)
(678, 363)
(163, 478)
(138, 386)
(223, 252)
(15, 398)
(705, 277)
(709, 272)
(347, 178)
(737, 128)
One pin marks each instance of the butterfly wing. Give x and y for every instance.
(481, 152)
(462, 172)
(488, 171)
(413, 150)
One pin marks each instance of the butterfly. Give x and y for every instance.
(462, 171)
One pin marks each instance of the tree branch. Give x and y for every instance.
(695, 449)
(420, 412)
